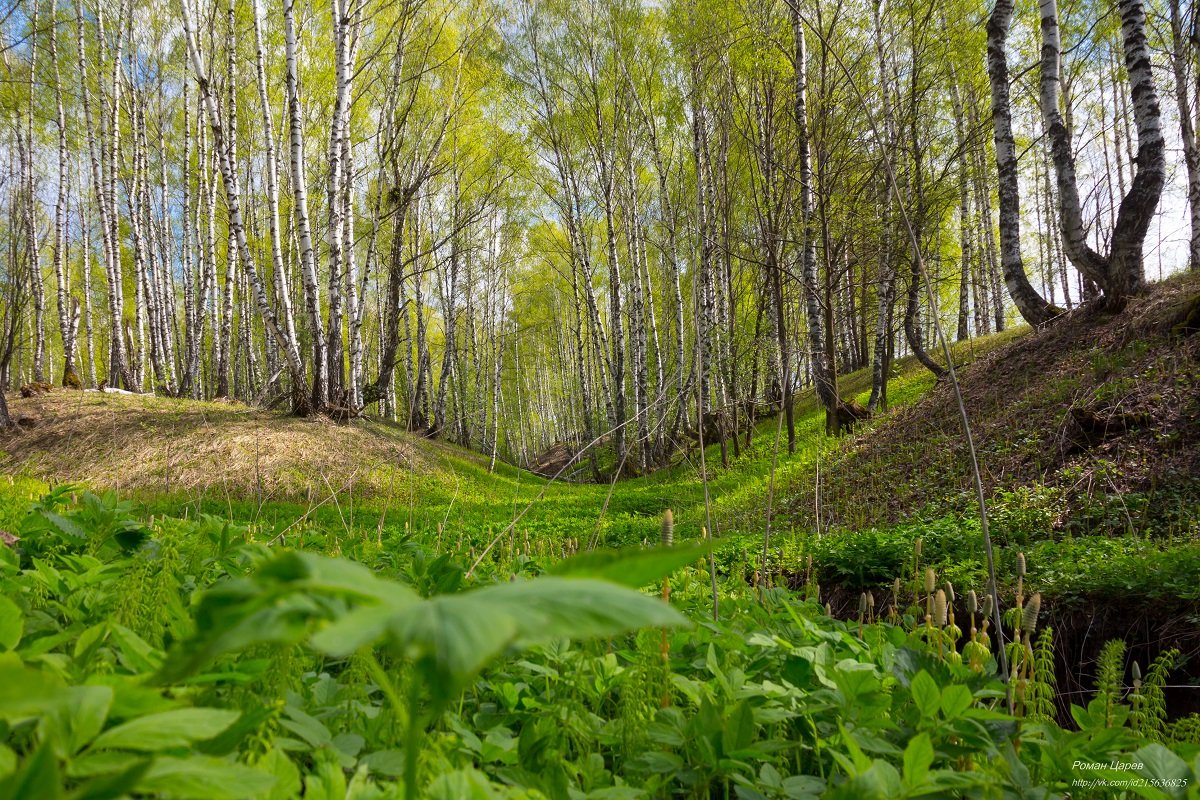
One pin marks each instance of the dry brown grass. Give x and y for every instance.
(141, 443)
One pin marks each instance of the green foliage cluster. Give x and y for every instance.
(193, 658)
(1071, 568)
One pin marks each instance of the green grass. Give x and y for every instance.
(452, 489)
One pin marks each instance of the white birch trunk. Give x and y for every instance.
(308, 264)
(67, 322)
(229, 177)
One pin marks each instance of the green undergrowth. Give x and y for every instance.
(189, 658)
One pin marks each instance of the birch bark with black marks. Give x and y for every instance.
(964, 216)
(68, 309)
(37, 284)
(279, 266)
(191, 337)
(336, 230)
(1032, 306)
(1181, 57)
(229, 177)
(86, 268)
(826, 392)
(100, 148)
(308, 261)
(1120, 272)
(881, 351)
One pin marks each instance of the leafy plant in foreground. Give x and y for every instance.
(342, 608)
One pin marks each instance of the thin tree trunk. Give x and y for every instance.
(308, 263)
(1032, 306)
(1180, 56)
(279, 266)
(68, 311)
(826, 392)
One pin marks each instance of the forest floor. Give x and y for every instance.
(220, 457)
(1088, 435)
(1092, 411)
(1090, 407)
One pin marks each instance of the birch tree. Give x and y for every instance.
(1033, 306)
(1120, 272)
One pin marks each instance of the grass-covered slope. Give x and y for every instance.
(1095, 419)
(268, 468)
(1089, 426)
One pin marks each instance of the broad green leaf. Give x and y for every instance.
(236, 615)
(279, 603)
(90, 639)
(464, 784)
(458, 634)
(201, 778)
(177, 728)
(956, 699)
(75, 721)
(26, 692)
(227, 741)
(307, 727)
(859, 761)
(287, 776)
(917, 758)
(803, 787)
(739, 728)
(135, 652)
(632, 568)
(1166, 769)
(110, 787)
(389, 763)
(133, 700)
(880, 781)
(354, 629)
(97, 764)
(926, 694)
(8, 760)
(552, 608)
(64, 525)
(335, 576)
(37, 778)
(12, 623)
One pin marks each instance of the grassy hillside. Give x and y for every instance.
(1025, 394)
(266, 468)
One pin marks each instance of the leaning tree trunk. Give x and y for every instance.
(1126, 274)
(1120, 273)
(1033, 306)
